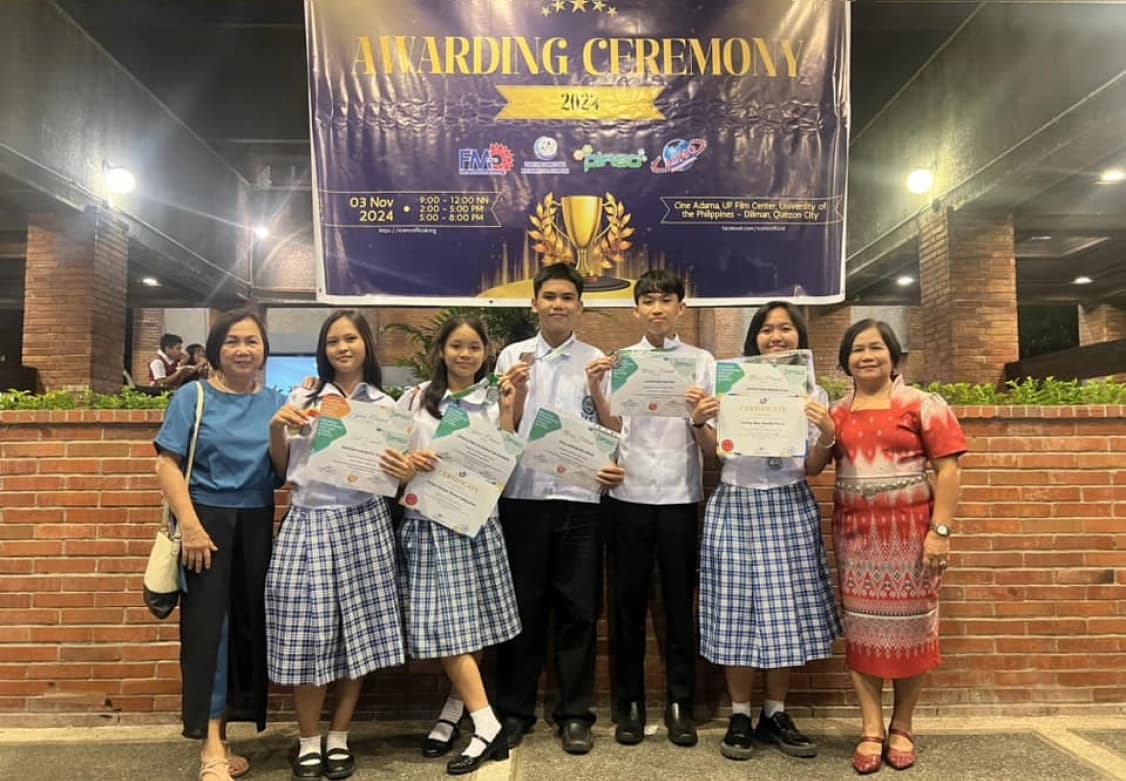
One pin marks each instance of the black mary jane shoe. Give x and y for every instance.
(339, 763)
(305, 769)
(432, 747)
(496, 749)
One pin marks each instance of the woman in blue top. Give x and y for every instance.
(226, 517)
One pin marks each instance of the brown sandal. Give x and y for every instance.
(214, 770)
(867, 763)
(237, 765)
(900, 760)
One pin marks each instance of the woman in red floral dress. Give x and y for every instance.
(891, 532)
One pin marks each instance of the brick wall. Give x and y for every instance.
(1034, 607)
(1101, 323)
(148, 327)
(74, 299)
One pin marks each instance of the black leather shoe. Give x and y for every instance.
(432, 747)
(737, 742)
(515, 728)
(339, 763)
(631, 725)
(304, 768)
(497, 749)
(678, 719)
(576, 735)
(779, 729)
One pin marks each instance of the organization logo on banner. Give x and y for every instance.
(495, 160)
(592, 159)
(546, 150)
(678, 156)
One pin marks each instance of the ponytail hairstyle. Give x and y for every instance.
(440, 377)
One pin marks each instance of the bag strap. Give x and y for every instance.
(166, 511)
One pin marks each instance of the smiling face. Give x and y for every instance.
(870, 361)
(658, 312)
(558, 306)
(243, 350)
(464, 354)
(345, 349)
(777, 333)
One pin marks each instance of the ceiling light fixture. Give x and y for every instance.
(1082, 281)
(920, 181)
(262, 232)
(905, 280)
(119, 180)
(150, 281)
(1112, 176)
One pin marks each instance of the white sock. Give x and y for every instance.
(743, 708)
(310, 746)
(485, 724)
(770, 707)
(451, 711)
(336, 740)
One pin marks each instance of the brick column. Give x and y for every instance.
(826, 327)
(723, 330)
(1101, 323)
(148, 327)
(967, 276)
(74, 299)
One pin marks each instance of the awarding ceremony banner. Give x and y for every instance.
(459, 145)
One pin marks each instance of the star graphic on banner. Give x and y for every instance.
(598, 5)
(545, 11)
(578, 5)
(559, 5)
(612, 11)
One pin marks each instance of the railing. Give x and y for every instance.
(1094, 360)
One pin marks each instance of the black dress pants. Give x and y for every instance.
(555, 555)
(636, 536)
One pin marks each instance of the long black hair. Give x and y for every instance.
(440, 378)
(325, 373)
(750, 344)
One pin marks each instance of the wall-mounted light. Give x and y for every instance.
(920, 181)
(1082, 281)
(1112, 176)
(905, 280)
(150, 281)
(119, 180)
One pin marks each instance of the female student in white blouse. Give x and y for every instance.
(762, 537)
(457, 590)
(332, 612)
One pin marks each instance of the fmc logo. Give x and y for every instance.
(496, 160)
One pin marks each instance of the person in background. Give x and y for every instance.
(226, 518)
(166, 369)
(891, 533)
(766, 597)
(332, 609)
(196, 356)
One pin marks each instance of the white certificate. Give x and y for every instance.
(762, 422)
(651, 382)
(475, 460)
(569, 448)
(455, 497)
(349, 437)
(792, 369)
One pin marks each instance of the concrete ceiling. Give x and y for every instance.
(204, 59)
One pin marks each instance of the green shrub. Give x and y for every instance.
(127, 399)
(1049, 392)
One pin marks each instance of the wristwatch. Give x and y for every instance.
(701, 424)
(941, 529)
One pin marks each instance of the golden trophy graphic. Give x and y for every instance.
(583, 240)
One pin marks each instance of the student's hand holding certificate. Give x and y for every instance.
(572, 450)
(350, 443)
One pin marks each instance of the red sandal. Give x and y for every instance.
(900, 760)
(867, 763)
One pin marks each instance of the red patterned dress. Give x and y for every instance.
(882, 509)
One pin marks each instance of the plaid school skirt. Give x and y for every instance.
(456, 591)
(332, 610)
(766, 598)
